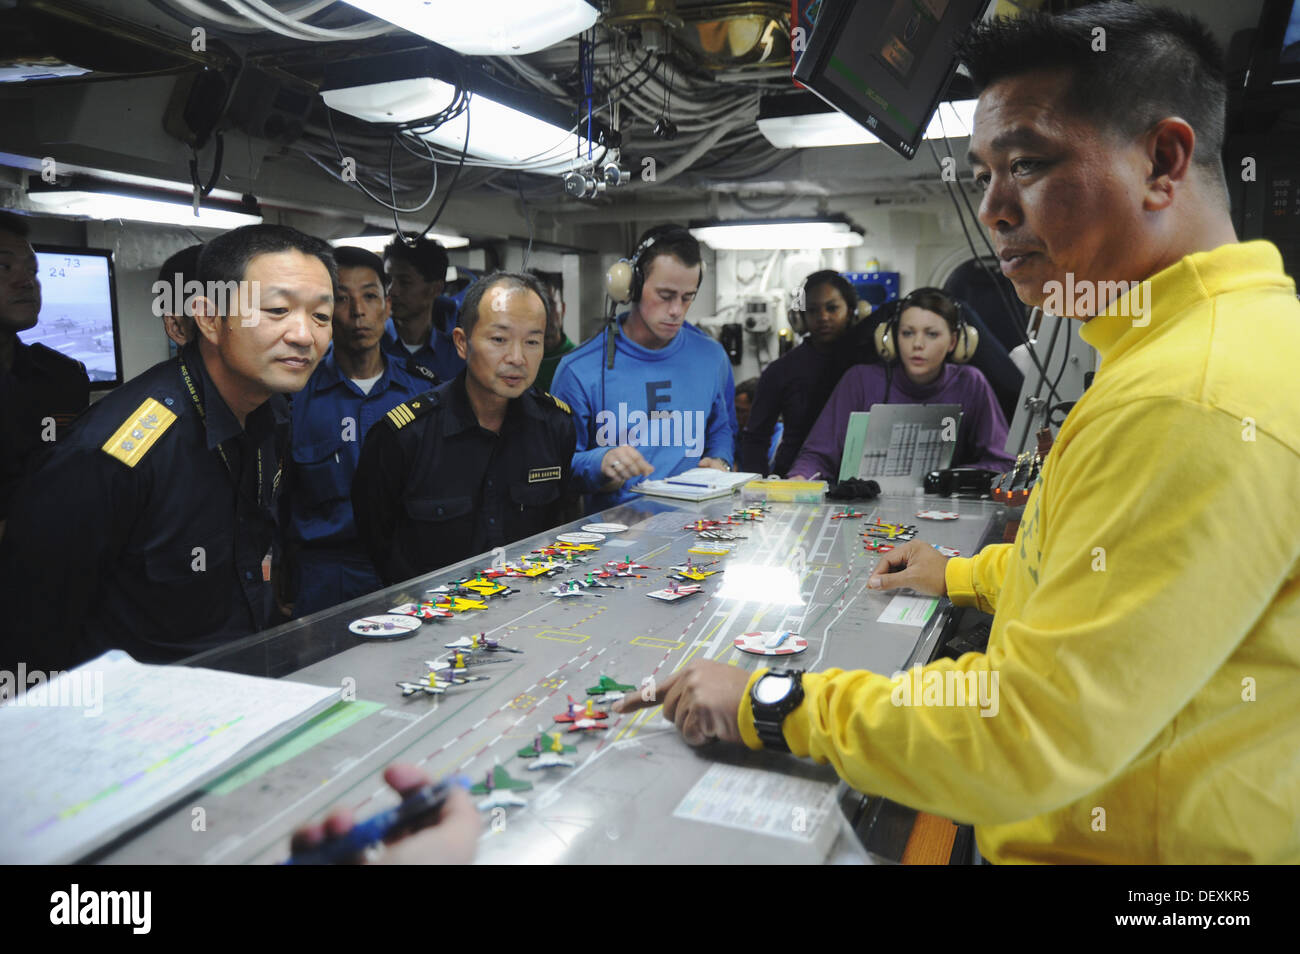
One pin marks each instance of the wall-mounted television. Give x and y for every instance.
(886, 63)
(1276, 58)
(79, 310)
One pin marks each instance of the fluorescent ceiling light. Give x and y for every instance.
(779, 233)
(486, 27)
(763, 584)
(835, 129)
(497, 132)
(160, 210)
(377, 243)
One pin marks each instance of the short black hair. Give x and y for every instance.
(226, 257)
(554, 281)
(184, 263)
(15, 224)
(668, 239)
(1157, 63)
(515, 280)
(349, 256)
(828, 276)
(427, 257)
(749, 386)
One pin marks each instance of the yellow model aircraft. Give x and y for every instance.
(485, 587)
(532, 569)
(576, 547)
(458, 604)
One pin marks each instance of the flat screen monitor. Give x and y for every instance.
(886, 63)
(79, 310)
(1276, 60)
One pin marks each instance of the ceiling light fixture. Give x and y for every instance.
(93, 199)
(506, 125)
(486, 27)
(802, 122)
(797, 233)
(378, 241)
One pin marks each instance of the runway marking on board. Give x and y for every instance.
(560, 636)
(654, 642)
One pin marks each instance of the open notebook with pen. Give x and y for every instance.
(699, 483)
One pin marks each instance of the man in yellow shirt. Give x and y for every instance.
(1145, 649)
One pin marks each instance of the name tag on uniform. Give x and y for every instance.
(543, 473)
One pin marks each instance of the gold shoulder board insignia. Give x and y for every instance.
(139, 433)
(401, 416)
(558, 403)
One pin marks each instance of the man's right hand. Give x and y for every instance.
(913, 564)
(451, 839)
(620, 465)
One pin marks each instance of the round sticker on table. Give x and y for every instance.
(782, 643)
(577, 537)
(385, 626)
(604, 527)
(938, 515)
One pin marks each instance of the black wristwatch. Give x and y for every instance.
(777, 693)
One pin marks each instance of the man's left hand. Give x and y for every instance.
(703, 700)
(715, 463)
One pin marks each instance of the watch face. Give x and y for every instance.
(772, 689)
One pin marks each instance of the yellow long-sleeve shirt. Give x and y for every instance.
(1146, 629)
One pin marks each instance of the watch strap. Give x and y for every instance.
(769, 717)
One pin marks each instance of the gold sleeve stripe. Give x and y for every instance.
(401, 415)
(139, 433)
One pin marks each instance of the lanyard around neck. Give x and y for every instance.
(198, 406)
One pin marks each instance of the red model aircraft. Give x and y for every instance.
(583, 718)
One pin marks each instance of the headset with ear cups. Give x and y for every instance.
(886, 333)
(626, 273)
(858, 307)
(626, 277)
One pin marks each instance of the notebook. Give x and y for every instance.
(100, 748)
(699, 483)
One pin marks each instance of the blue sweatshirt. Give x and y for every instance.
(688, 383)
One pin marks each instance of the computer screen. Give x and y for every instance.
(886, 63)
(79, 310)
(1276, 59)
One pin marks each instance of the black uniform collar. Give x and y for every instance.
(219, 421)
(460, 413)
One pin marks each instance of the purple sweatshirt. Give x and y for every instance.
(980, 438)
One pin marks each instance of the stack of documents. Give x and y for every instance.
(98, 749)
(699, 483)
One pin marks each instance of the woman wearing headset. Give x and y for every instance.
(795, 387)
(930, 344)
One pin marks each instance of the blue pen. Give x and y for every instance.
(686, 483)
(417, 808)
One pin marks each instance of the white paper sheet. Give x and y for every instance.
(103, 746)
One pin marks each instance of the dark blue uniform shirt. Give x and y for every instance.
(433, 487)
(331, 417)
(147, 527)
(42, 388)
(438, 354)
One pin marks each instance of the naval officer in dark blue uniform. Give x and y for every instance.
(149, 529)
(352, 390)
(479, 462)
